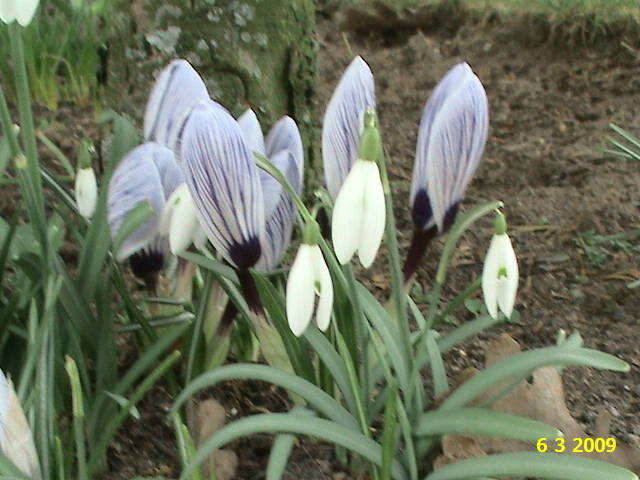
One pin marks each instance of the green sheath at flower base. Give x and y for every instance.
(311, 233)
(84, 154)
(369, 147)
(500, 224)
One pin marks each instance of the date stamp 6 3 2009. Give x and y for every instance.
(577, 445)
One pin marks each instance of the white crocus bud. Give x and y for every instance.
(180, 220)
(309, 276)
(16, 440)
(359, 212)
(500, 272)
(86, 191)
(21, 11)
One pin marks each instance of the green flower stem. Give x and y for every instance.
(78, 416)
(7, 124)
(459, 300)
(28, 133)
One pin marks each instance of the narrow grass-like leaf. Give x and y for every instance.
(438, 372)
(136, 217)
(522, 364)
(281, 449)
(390, 422)
(211, 265)
(484, 423)
(299, 386)
(532, 464)
(291, 423)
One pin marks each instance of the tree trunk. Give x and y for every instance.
(257, 54)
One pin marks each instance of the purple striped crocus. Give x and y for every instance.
(147, 173)
(283, 147)
(177, 89)
(451, 138)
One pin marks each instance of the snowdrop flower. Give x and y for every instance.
(21, 11)
(147, 173)
(500, 272)
(224, 183)
(180, 221)
(177, 89)
(358, 218)
(342, 124)
(452, 134)
(309, 277)
(283, 146)
(86, 191)
(453, 131)
(16, 440)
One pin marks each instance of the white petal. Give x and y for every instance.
(284, 135)
(177, 89)
(224, 183)
(490, 276)
(509, 284)
(7, 11)
(373, 216)
(300, 290)
(86, 191)
(252, 132)
(341, 126)
(184, 222)
(24, 11)
(323, 277)
(347, 220)
(16, 439)
(135, 180)
(200, 238)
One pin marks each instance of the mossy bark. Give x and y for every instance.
(258, 54)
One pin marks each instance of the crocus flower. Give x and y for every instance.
(500, 272)
(359, 212)
(453, 131)
(177, 89)
(224, 183)
(342, 124)
(452, 134)
(86, 192)
(283, 147)
(16, 440)
(309, 277)
(147, 173)
(21, 11)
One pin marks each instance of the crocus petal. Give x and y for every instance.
(16, 439)
(284, 135)
(224, 183)
(373, 216)
(170, 173)
(271, 188)
(279, 224)
(300, 290)
(86, 192)
(323, 278)
(341, 126)
(252, 131)
(453, 131)
(135, 180)
(346, 223)
(177, 89)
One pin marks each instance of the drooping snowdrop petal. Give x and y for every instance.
(309, 276)
(500, 276)
(342, 123)
(279, 223)
(359, 214)
(179, 220)
(21, 11)
(252, 131)
(453, 131)
(135, 179)
(177, 89)
(16, 439)
(86, 192)
(224, 183)
(284, 135)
